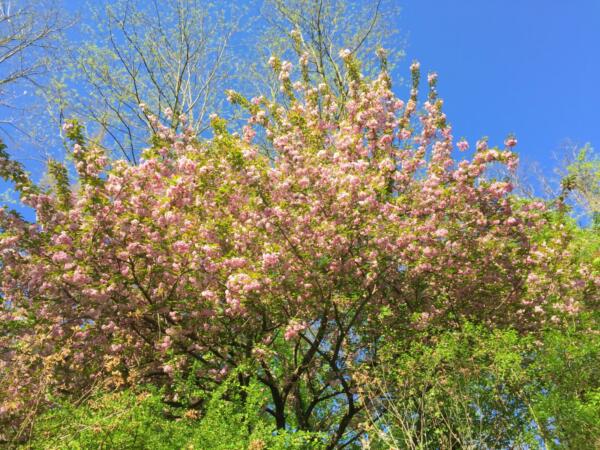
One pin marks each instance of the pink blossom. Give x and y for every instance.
(532, 278)
(166, 343)
(512, 221)
(429, 252)
(79, 277)
(248, 133)
(237, 263)
(404, 134)
(181, 247)
(259, 352)
(462, 145)
(64, 239)
(441, 233)
(304, 182)
(270, 260)
(208, 294)
(293, 330)
(61, 257)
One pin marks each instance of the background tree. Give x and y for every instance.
(319, 28)
(582, 182)
(29, 33)
(475, 388)
(574, 184)
(170, 56)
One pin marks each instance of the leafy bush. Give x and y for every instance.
(140, 419)
(481, 388)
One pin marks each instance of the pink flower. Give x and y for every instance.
(109, 327)
(429, 252)
(270, 260)
(248, 133)
(208, 294)
(165, 344)
(79, 277)
(511, 221)
(532, 278)
(181, 247)
(510, 142)
(63, 239)
(513, 162)
(259, 352)
(404, 134)
(61, 257)
(293, 330)
(304, 59)
(286, 66)
(462, 145)
(237, 263)
(252, 286)
(441, 233)
(304, 182)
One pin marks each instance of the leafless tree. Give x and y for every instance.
(168, 55)
(29, 32)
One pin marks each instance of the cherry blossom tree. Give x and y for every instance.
(213, 258)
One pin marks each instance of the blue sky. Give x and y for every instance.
(525, 66)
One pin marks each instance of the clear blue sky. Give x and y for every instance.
(531, 67)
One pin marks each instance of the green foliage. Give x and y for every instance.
(584, 175)
(586, 246)
(477, 388)
(60, 177)
(140, 419)
(111, 420)
(15, 173)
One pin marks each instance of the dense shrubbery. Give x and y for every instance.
(477, 388)
(330, 276)
(140, 419)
